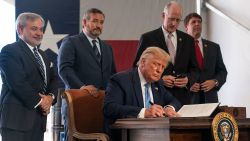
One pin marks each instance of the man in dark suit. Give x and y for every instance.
(29, 85)
(84, 60)
(182, 71)
(213, 72)
(139, 92)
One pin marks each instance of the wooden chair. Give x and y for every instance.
(85, 115)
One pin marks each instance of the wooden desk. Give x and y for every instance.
(180, 129)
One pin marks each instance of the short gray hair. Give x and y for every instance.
(22, 19)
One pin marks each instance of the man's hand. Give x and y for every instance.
(207, 85)
(46, 103)
(170, 112)
(181, 82)
(90, 88)
(195, 87)
(168, 80)
(154, 111)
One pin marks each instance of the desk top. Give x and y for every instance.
(172, 123)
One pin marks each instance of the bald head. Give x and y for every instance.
(171, 15)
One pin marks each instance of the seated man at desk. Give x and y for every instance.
(139, 93)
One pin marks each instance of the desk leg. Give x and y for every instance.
(124, 135)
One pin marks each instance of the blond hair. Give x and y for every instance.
(156, 52)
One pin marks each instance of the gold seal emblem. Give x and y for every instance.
(224, 127)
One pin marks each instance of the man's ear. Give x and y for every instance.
(19, 30)
(163, 15)
(84, 21)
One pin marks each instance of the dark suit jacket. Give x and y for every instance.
(214, 68)
(22, 81)
(185, 61)
(78, 64)
(124, 97)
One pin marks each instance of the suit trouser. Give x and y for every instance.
(17, 135)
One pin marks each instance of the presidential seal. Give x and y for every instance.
(224, 127)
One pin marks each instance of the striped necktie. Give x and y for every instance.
(97, 53)
(41, 68)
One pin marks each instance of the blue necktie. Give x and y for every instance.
(97, 53)
(147, 96)
(41, 68)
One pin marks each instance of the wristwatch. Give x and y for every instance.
(216, 82)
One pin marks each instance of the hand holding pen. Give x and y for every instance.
(154, 111)
(167, 111)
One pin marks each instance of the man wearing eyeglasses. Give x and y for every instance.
(182, 71)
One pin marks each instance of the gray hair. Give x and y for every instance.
(86, 14)
(22, 19)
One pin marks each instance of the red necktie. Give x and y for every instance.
(198, 54)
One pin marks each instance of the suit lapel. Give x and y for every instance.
(137, 87)
(205, 52)
(30, 54)
(161, 40)
(155, 92)
(179, 46)
(88, 46)
(46, 62)
(104, 53)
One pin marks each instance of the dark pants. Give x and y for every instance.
(17, 135)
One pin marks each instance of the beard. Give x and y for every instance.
(95, 32)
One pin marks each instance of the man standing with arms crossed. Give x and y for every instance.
(213, 72)
(84, 60)
(182, 71)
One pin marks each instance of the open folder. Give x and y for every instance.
(198, 110)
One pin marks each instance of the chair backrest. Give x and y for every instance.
(85, 111)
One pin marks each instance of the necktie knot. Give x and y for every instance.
(34, 49)
(147, 85)
(94, 42)
(196, 42)
(170, 35)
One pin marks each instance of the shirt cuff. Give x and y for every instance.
(142, 113)
(169, 106)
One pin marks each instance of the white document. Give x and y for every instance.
(198, 110)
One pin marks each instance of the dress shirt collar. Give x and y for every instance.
(30, 47)
(166, 33)
(142, 79)
(90, 39)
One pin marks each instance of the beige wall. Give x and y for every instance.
(235, 45)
